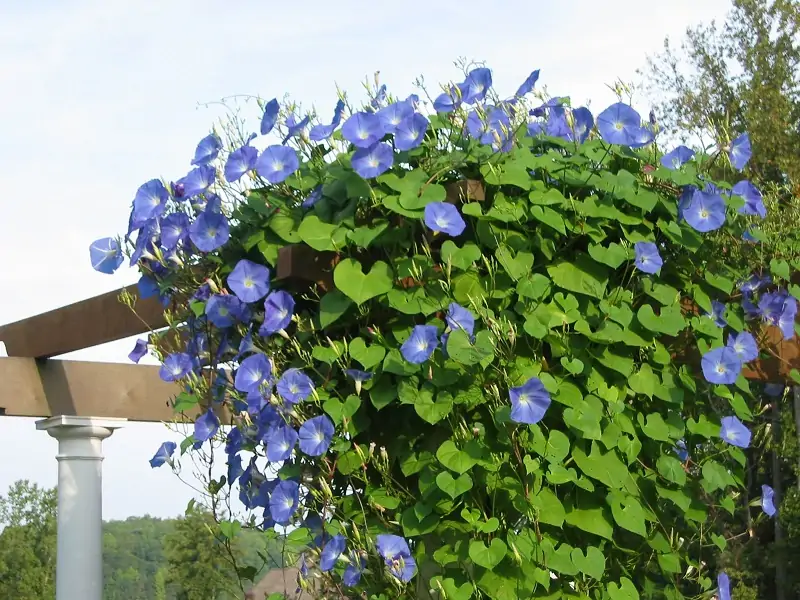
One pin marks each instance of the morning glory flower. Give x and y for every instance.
(443, 217)
(748, 236)
(174, 230)
(316, 435)
(294, 127)
(740, 152)
(787, 318)
(718, 313)
(420, 344)
(331, 552)
(295, 386)
(771, 306)
(175, 366)
(223, 310)
(447, 102)
(410, 133)
(276, 163)
(744, 345)
(528, 84)
(379, 99)
(734, 432)
(281, 442)
(363, 129)
(209, 231)
(270, 116)
(150, 202)
(240, 161)
(529, 402)
(774, 389)
(278, 311)
(235, 469)
(207, 150)
(206, 426)
(677, 158)
(618, 124)
(458, 317)
(323, 132)
(476, 85)
(705, 212)
(198, 181)
(721, 365)
(314, 197)
(641, 137)
(253, 371)
(283, 501)
(373, 161)
(681, 451)
(352, 574)
(582, 124)
(358, 377)
(397, 556)
(724, 586)
(768, 500)
(249, 281)
(163, 454)
(753, 200)
(139, 350)
(106, 255)
(754, 283)
(394, 114)
(648, 260)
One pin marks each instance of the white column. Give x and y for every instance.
(79, 566)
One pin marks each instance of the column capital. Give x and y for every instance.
(71, 427)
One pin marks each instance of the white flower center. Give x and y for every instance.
(704, 213)
(248, 282)
(277, 166)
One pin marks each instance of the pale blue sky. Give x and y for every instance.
(100, 96)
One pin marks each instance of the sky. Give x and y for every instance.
(99, 97)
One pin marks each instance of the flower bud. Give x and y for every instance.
(371, 448)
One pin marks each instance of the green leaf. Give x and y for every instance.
(671, 469)
(644, 382)
(433, 412)
(452, 591)
(349, 462)
(703, 427)
(628, 513)
(591, 520)
(395, 363)
(383, 393)
(353, 283)
(490, 557)
(453, 487)
(414, 526)
(185, 402)
(460, 258)
(584, 276)
(670, 321)
(592, 564)
(780, 268)
(654, 427)
(230, 528)
(557, 446)
(454, 459)
(549, 217)
(604, 467)
(517, 266)
(339, 410)
(719, 282)
(368, 356)
(284, 224)
(549, 507)
(321, 236)
(534, 286)
(460, 349)
(613, 255)
(715, 477)
(624, 591)
(332, 306)
(364, 236)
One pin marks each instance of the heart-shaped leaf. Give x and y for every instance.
(593, 564)
(434, 411)
(353, 283)
(368, 356)
(460, 258)
(454, 487)
(455, 592)
(517, 266)
(454, 459)
(320, 235)
(332, 306)
(670, 321)
(490, 557)
(339, 410)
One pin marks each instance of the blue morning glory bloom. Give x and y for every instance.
(253, 372)
(681, 451)
(721, 365)
(278, 311)
(768, 500)
(352, 574)
(476, 84)
(380, 98)
(207, 150)
(106, 255)
(331, 552)
(294, 127)
(528, 84)
(397, 556)
(677, 158)
(281, 443)
(147, 287)
(373, 161)
(458, 317)
(174, 230)
(705, 212)
(276, 163)
(283, 501)
(295, 386)
(208, 202)
(198, 181)
(724, 586)
(323, 132)
(235, 469)
(363, 129)
(314, 197)
(740, 152)
(139, 350)
(270, 116)
(240, 161)
(641, 137)
(206, 426)
(249, 281)
(163, 454)
(754, 283)
(648, 260)
(394, 114)
(582, 124)
(753, 200)
(529, 402)
(223, 310)
(443, 217)
(744, 345)
(770, 306)
(316, 435)
(410, 133)
(358, 376)
(619, 124)
(718, 313)
(150, 201)
(175, 366)
(787, 318)
(557, 126)
(209, 231)
(734, 432)
(447, 102)
(146, 242)
(420, 344)
(476, 124)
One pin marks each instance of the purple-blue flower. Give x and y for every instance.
(787, 318)
(740, 152)
(373, 161)
(176, 366)
(139, 350)
(294, 127)
(174, 230)
(476, 84)
(314, 197)
(150, 201)
(681, 451)
(771, 306)
(754, 283)
(331, 552)
(276, 163)
(281, 442)
(316, 435)
(458, 317)
(323, 132)
(677, 157)
(278, 311)
(391, 116)
(721, 365)
(582, 123)
(240, 162)
(420, 344)
(748, 236)
(529, 402)
(717, 313)
(768, 500)
(380, 97)
(106, 255)
(352, 574)
(363, 129)
(774, 390)
(209, 231)
(295, 386)
(206, 426)
(744, 345)
(253, 372)
(734, 432)
(705, 212)
(724, 586)
(249, 281)
(410, 133)
(223, 310)
(641, 137)
(163, 454)
(397, 556)
(528, 84)
(198, 181)
(648, 260)
(753, 200)
(619, 124)
(447, 102)
(443, 217)
(283, 501)
(207, 150)
(359, 377)
(270, 116)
